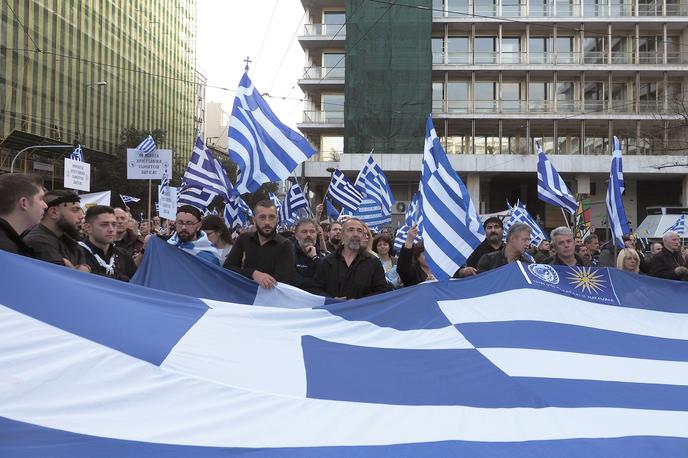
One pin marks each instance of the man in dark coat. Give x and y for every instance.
(306, 253)
(350, 272)
(565, 249)
(21, 208)
(517, 242)
(669, 263)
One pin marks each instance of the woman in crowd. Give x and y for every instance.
(382, 245)
(412, 266)
(628, 260)
(219, 235)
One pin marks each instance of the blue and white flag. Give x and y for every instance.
(165, 182)
(411, 218)
(618, 223)
(332, 212)
(295, 204)
(77, 154)
(519, 214)
(199, 198)
(551, 187)
(523, 361)
(371, 213)
(451, 226)
(128, 199)
(147, 145)
(237, 212)
(372, 182)
(679, 226)
(263, 148)
(343, 192)
(206, 172)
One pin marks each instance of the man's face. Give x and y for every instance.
(521, 241)
(121, 218)
(656, 248)
(145, 228)
(156, 222)
(584, 253)
(544, 246)
(672, 242)
(305, 235)
(35, 207)
(102, 229)
(69, 219)
(265, 220)
(593, 245)
(352, 235)
(494, 233)
(187, 227)
(579, 241)
(564, 245)
(335, 233)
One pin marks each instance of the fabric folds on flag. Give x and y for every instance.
(295, 203)
(343, 192)
(372, 182)
(616, 213)
(263, 148)
(77, 154)
(196, 197)
(519, 214)
(332, 212)
(165, 182)
(551, 187)
(237, 212)
(205, 172)
(147, 145)
(679, 226)
(412, 218)
(451, 227)
(128, 199)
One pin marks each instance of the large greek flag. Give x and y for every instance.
(294, 200)
(205, 172)
(451, 227)
(615, 208)
(263, 148)
(551, 187)
(679, 226)
(342, 192)
(523, 361)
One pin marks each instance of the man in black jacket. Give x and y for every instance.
(494, 233)
(517, 241)
(350, 272)
(306, 252)
(565, 248)
(669, 263)
(102, 256)
(21, 208)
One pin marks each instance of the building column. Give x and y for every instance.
(473, 186)
(684, 192)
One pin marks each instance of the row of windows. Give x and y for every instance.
(561, 8)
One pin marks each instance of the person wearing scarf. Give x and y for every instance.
(189, 236)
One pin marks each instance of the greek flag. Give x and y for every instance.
(77, 154)
(193, 360)
(372, 182)
(205, 172)
(147, 145)
(519, 214)
(451, 227)
(551, 187)
(275, 200)
(332, 212)
(196, 197)
(615, 208)
(165, 182)
(263, 148)
(237, 212)
(679, 226)
(342, 192)
(128, 199)
(412, 218)
(294, 201)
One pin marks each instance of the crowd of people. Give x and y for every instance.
(343, 259)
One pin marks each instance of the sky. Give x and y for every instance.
(230, 30)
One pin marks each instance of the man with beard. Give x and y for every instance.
(494, 232)
(21, 208)
(189, 236)
(334, 236)
(103, 257)
(306, 252)
(54, 240)
(126, 238)
(263, 255)
(350, 272)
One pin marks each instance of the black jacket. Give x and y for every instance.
(10, 240)
(123, 268)
(364, 277)
(50, 248)
(497, 259)
(556, 261)
(664, 264)
(411, 273)
(305, 267)
(483, 249)
(276, 257)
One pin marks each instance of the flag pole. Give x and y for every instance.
(150, 197)
(565, 218)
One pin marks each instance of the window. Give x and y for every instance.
(333, 21)
(594, 95)
(437, 97)
(438, 8)
(457, 50)
(457, 96)
(485, 7)
(565, 53)
(437, 50)
(565, 96)
(485, 96)
(331, 147)
(333, 64)
(539, 7)
(457, 7)
(485, 50)
(511, 97)
(539, 96)
(540, 50)
(594, 49)
(621, 100)
(332, 106)
(511, 50)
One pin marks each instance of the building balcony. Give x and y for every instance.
(322, 73)
(324, 30)
(561, 58)
(322, 120)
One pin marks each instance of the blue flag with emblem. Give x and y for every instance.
(263, 148)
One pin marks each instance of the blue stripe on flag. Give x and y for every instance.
(144, 325)
(343, 192)
(408, 377)
(616, 213)
(551, 187)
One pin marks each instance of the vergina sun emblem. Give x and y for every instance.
(544, 273)
(587, 279)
